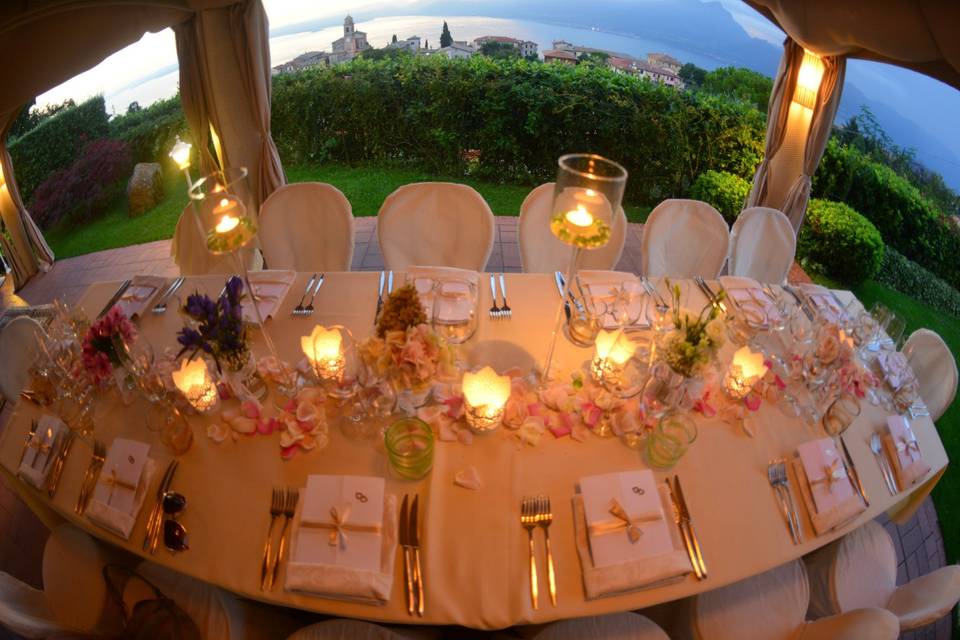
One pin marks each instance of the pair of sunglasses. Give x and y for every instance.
(174, 533)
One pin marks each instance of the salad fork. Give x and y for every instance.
(161, 306)
(289, 508)
(885, 470)
(544, 518)
(495, 311)
(298, 310)
(505, 309)
(528, 519)
(774, 478)
(276, 510)
(308, 310)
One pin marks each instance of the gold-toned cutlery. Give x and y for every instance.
(156, 513)
(415, 545)
(298, 310)
(404, 531)
(877, 448)
(852, 472)
(276, 510)
(688, 523)
(34, 425)
(289, 508)
(777, 476)
(161, 305)
(91, 476)
(505, 309)
(544, 519)
(495, 311)
(59, 463)
(382, 282)
(528, 519)
(116, 296)
(684, 534)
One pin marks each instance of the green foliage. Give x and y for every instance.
(509, 120)
(725, 191)
(445, 38)
(56, 142)
(741, 84)
(599, 58)
(151, 131)
(908, 221)
(499, 50)
(383, 54)
(29, 117)
(692, 75)
(839, 242)
(906, 276)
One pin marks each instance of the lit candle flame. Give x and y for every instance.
(227, 223)
(580, 217)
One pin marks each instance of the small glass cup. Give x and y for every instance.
(663, 391)
(176, 434)
(670, 439)
(841, 414)
(455, 310)
(585, 322)
(409, 445)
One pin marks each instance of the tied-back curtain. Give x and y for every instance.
(778, 111)
(25, 249)
(193, 89)
(821, 124)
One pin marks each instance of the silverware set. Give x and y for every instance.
(561, 283)
(499, 311)
(535, 512)
(155, 519)
(91, 476)
(58, 463)
(309, 293)
(409, 529)
(852, 472)
(652, 291)
(681, 515)
(161, 306)
(384, 280)
(886, 470)
(712, 296)
(777, 476)
(283, 502)
(113, 299)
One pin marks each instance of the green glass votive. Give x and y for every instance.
(409, 444)
(670, 439)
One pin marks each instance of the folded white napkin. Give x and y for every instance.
(425, 279)
(840, 513)
(122, 487)
(43, 448)
(270, 287)
(825, 302)
(602, 286)
(356, 564)
(140, 294)
(903, 450)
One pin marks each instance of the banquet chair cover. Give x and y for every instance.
(347, 629)
(860, 570)
(683, 239)
(543, 252)
(307, 226)
(762, 245)
(24, 610)
(189, 250)
(73, 581)
(439, 224)
(615, 626)
(19, 346)
(935, 368)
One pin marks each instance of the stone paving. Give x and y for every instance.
(919, 543)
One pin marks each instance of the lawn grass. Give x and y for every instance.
(366, 187)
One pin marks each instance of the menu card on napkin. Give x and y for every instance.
(41, 450)
(122, 486)
(902, 448)
(824, 301)
(603, 285)
(825, 473)
(895, 368)
(140, 294)
(749, 297)
(270, 288)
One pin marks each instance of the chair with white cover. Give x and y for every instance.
(773, 606)
(348, 629)
(936, 370)
(683, 239)
(189, 250)
(860, 570)
(307, 226)
(614, 626)
(762, 245)
(543, 252)
(438, 224)
(19, 344)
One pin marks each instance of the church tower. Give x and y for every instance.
(348, 26)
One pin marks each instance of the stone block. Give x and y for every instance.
(145, 188)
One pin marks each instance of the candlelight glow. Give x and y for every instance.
(580, 217)
(745, 370)
(608, 347)
(485, 394)
(808, 80)
(227, 223)
(195, 383)
(324, 351)
(181, 153)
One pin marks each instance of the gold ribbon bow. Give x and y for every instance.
(339, 514)
(624, 521)
(113, 481)
(41, 445)
(910, 446)
(831, 473)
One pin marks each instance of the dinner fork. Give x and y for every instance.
(161, 306)
(784, 482)
(298, 310)
(885, 470)
(90, 477)
(495, 311)
(308, 310)
(544, 518)
(528, 519)
(289, 507)
(57, 471)
(276, 509)
(505, 309)
(773, 477)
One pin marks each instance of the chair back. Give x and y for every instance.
(762, 245)
(935, 368)
(439, 224)
(19, 344)
(543, 252)
(307, 226)
(189, 250)
(683, 239)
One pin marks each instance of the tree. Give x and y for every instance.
(445, 38)
(692, 75)
(499, 50)
(31, 117)
(598, 58)
(134, 107)
(743, 84)
(394, 41)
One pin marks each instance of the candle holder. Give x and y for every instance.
(194, 381)
(332, 356)
(485, 396)
(746, 369)
(611, 353)
(587, 195)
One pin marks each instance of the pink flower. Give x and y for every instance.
(753, 401)
(516, 411)
(703, 405)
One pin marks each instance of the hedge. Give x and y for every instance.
(56, 142)
(725, 191)
(151, 132)
(839, 242)
(907, 277)
(509, 121)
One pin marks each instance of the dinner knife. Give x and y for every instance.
(116, 296)
(154, 518)
(852, 472)
(404, 528)
(561, 283)
(54, 451)
(376, 317)
(390, 282)
(415, 543)
(678, 519)
(685, 515)
(58, 464)
(558, 279)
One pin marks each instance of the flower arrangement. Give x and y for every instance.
(220, 331)
(411, 358)
(401, 310)
(690, 346)
(99, 354)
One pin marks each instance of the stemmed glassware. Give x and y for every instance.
(454, 313)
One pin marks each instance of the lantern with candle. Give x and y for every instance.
(485, 395)
(194, 381)
(744, 372)
(612, 351)
(331, 354)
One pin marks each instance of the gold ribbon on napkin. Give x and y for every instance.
(909, 446)
(339, 514)
(623, 521)
(42, 445)
(113, 481)
(831, 473)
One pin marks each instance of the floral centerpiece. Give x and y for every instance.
(690, 346)
(220, 331)
(100, 344)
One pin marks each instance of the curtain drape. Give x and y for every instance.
(25, 249)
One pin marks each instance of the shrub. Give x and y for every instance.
(56, 142)
(151, 131)
(83, 190)
(725, 191)
(909, 278)
(839, 242)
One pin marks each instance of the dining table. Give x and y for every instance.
(474, 549)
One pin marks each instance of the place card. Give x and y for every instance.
(270, 288)
(121, 474)
(41, 450)
(825, 473)
(636, 492)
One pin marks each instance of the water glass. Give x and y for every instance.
(670, 439)
(841, 414)
(585, 322)
(663, 391)
(409, 445)
(455, 310)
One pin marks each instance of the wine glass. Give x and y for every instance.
(663, 390)
(455, 310)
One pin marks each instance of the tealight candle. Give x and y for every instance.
(197, 386)
(580, 217)
(745, 370)
(583, 217)
(232, 229)
(612, 350)
(324, 351)
(485, 396)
